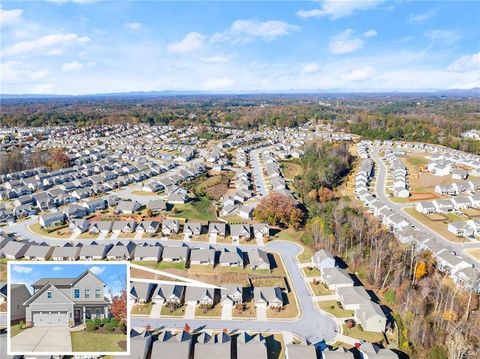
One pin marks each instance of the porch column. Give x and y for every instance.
(84, 315)
(106, 312)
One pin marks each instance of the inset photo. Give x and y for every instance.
(67, 308)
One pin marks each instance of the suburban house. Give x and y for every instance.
(141, 292)
(167, 293)
(39, 253)
(15, 249)
(261, 230)
(202, 256)
(121, 251)
(93, 251)
(301, 350)
(231, 294)
(199, 296)
(217, 230)
(146, 252)
(170, 226)
(370, 316)
(171, 345)
(192, 229)
(20, 295)
(336, 277)
(268, 297)
(175, 254)
(231, 258)
(51, 219)
(65, 253)
(67, 301)
(425, 207)
(323, 259)
(128, 207)
(258, 259)
(240, 232)
(213, 346)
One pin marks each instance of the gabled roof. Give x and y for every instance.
(47, 286)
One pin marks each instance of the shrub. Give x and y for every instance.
(122, 327)
(105, 321)
(22, 325)
(97, 322)
(114, 322)
(91, 327)
(109, 326)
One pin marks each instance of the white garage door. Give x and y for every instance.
(50, 319)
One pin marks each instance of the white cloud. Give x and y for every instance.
(218, 83)
(310, 68)
(336, 9)
(360, 74)
(55, 52)
(214, 59)
(21, 269)
(10, 17)
(243, 31)
(346, 42)
(370, 33)
(465, 63)
(72, 66)
(267, 30)
(43, 89)
(192, 42)
(133, 25)
(57, 268)
(97, 270)
(444, 36)
(422, 17)
(15, 72)
(43, 43)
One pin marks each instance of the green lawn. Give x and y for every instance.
(214, 312)
(333, 307)
(295, 236)
(58, 232)
(96, 342)
(200, 209)
(160, 265)
(358, 333)
(142, 309)
(320, 289)
(311, 272)
(179, 312)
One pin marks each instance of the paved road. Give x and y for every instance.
(398, 208)
(257, 171)
(311, 324)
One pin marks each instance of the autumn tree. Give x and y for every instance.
(57, 159)
(279, 210)
(119, 306)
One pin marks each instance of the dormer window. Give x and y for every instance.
(49, 295)
(76, 293)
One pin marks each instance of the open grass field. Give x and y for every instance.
(295, 236)
(200, 209)
(97, 342)
(291, 169)
(474, 252)
(438, 226)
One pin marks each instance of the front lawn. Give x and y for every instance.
(247, 311)
(216, 311)
(98, 342)
(177, 312)
(295, 236)
(320, 289)
(288, 311)
(141, 309)
(311, 272)
(57, 232)
(358, 333)
(200, 209)
(333, 307)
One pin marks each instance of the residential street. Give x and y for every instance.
(381, 174)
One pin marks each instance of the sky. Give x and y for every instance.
(87, 46)
(115, 275)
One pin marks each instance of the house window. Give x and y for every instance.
(87, 293)
(97, 313)
(76, 293)
(97, 293)
(49, 295)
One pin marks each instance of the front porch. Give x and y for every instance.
(82, 313)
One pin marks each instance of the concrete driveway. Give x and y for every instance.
(43, 340)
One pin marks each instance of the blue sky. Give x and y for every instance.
(115, 275)
(88, 46)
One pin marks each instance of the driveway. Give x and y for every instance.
(156, 310)
(43, 340)
(190, 311)
(261, 312)
(227, 311)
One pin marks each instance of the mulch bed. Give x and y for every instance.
(102, 330)
(122, 344)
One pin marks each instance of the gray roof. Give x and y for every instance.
(269, 294)
(202, 255)
(37, 251)
(175, 252)
(232, 256)
(258, 257)
(333, 276)
(65, 251)
(198, 293)
(148, 251)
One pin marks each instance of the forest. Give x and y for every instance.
(435, 319)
